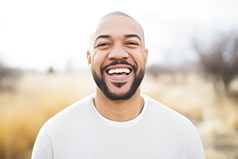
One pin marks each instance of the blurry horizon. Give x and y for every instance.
(37, 35)
(51, 37)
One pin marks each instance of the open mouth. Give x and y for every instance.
(119, 71)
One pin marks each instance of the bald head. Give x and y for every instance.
(119, 22)
(126, 15)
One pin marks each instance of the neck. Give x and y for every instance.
(121, 110)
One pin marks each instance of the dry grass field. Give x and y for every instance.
(39, 96)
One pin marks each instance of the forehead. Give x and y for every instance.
(118, 25)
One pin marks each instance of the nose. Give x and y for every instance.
(118, 52)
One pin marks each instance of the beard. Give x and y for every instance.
(100, 82)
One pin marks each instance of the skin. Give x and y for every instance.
(118, 38)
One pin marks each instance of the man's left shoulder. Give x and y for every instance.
(167, 114)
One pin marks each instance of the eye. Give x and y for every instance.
(132, 43)
(102, 45)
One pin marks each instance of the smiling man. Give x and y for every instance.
(118, 121)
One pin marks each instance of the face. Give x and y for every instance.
(118, 57)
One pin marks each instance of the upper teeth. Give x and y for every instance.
(119, 70)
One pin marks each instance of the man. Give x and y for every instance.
(118, 121)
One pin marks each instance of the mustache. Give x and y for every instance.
(116, 62)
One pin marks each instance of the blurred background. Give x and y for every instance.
(192, 68)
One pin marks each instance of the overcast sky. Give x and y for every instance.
(36, 34)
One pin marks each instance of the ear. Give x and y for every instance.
(89, 57)
(146, 55)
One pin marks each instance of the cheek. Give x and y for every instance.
(97, 62)
(140, 59)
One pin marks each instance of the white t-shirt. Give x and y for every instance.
(80, 132)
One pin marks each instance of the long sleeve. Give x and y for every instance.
(43, 147)
(195, 148)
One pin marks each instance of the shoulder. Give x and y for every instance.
(77, 112)
(155, 106)
(76, 109)
(166, 115)
(177, 129)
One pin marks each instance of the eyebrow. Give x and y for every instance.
(133, 36)
(102, 37)
(126, 36)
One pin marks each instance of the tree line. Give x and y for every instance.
(217, 63)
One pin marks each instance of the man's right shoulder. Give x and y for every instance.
(74, 112)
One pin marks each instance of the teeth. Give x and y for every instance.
(119, 70)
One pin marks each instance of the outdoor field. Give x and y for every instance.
(36, 97)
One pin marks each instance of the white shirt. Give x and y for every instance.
(80, 132)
